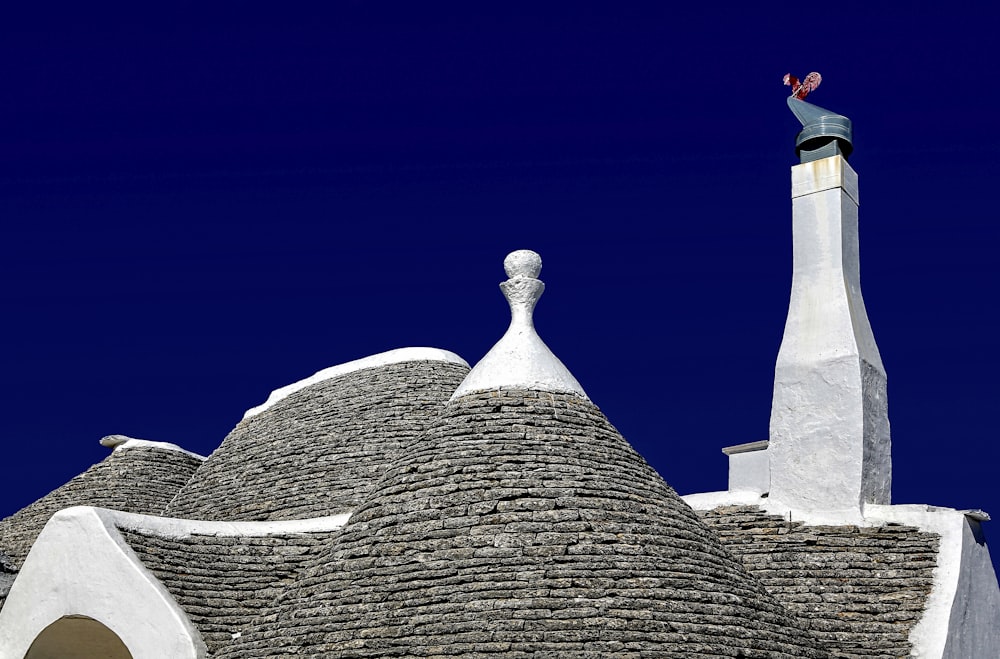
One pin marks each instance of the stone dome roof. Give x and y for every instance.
(522, 524)
(318, 446)
(138, 477)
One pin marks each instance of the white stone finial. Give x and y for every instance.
(520, 359)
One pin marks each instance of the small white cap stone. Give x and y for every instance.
(112, 441)
(523, 263)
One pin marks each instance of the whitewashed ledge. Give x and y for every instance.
(122, 443)
(176, 529)
(396, 356)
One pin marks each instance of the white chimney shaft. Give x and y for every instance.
(829, 434)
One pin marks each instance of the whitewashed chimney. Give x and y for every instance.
(829, 444)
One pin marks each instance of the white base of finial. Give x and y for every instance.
(520, 359)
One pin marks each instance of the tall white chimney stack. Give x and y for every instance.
(829, 446)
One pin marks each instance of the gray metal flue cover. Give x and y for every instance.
(823, 133)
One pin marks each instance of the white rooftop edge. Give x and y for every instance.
(396, 356)
(520, 359)
(963, 607)
(121, 442)
(169, 527)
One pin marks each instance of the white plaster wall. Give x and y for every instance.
(829, 428)
(750, 471)
(974, 622)
(81, 566)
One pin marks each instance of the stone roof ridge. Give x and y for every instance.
(520, 359)
(380, 359)
(122, 442)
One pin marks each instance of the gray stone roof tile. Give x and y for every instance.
(523, 525)
(7, 573)
(318, 451)
(224, 582)
(140, 479)
(859, 589)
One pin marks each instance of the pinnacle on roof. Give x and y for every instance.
(520, 359)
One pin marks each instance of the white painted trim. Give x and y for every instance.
(176, 529)
(163, 446)
(381, 359)
(749, 447)
(713, 500)
(81, 566)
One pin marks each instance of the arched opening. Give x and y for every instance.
(77, 637)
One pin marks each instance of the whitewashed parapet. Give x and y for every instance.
(829, 431)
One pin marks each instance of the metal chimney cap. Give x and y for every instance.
(820, 127)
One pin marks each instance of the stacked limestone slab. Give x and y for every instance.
(319, 450)
(224, 582)
(861, 590)
(523, 525)
(138, 477)
(7, 573)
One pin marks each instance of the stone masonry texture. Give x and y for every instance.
(139, 479)
(7, 574)
(318, 451)
(522, 525)
(223, 583)
(859, 590)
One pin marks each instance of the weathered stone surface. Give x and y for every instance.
(224, 582)
(523, 525)
(142, 479)
(859, 589)
(7, 573)
(318, 451)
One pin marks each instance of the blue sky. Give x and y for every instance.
(203, 206)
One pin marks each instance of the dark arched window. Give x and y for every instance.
(77, 637)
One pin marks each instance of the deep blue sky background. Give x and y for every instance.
(200, 207)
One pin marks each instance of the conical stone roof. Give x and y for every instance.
(522, 524)
(318, 446)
